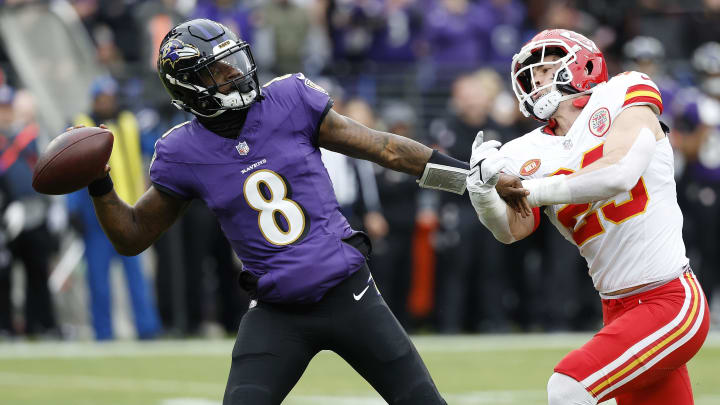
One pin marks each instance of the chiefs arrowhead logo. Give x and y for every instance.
(530, 167)
(599, 122)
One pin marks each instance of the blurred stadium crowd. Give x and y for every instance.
(433, 70)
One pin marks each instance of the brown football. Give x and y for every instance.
(72, 160)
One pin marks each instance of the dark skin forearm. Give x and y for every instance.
(344, 135)
(132, 229)
(118, 221)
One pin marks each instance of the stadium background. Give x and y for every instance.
(435, 70)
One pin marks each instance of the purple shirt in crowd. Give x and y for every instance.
(458, 40)
(269, 190)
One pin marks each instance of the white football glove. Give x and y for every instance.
(486, 162)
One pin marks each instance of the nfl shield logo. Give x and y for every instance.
(242, 148)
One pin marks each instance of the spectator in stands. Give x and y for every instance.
(454, 42)
(392, 252)
(351, 26)
(287, 25)
(456, 36)
(696, 134)
(24, 221)
(354, 180)
(647, 54)
(465, 290)
(394, 42)
(179, 276)
(506, 31)
(700, 27)
(232, 13)
(130, 182)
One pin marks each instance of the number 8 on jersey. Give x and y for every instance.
(277, 203)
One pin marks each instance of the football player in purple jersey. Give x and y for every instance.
(252, 154)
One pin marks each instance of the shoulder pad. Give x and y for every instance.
(637, 88)
(170, 140)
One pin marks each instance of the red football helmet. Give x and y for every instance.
(581, 67)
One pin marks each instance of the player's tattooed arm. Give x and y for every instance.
(344, 135)
(132, 229)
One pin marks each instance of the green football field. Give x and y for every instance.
(483, 369)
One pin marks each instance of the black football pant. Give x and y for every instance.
(275, 343)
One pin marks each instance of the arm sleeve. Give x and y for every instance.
(492, 213)
(617, 178)
(440, 158)
(596, 185)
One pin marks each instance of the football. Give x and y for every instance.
(72, 160)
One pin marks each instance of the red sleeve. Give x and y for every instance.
(536, 216)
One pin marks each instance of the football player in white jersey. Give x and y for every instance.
(602, 169)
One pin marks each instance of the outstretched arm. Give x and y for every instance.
(506, 223)
(344, 135)
(627, 152)
(499, 199)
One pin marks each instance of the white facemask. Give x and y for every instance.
(548, 103)
(236, 99)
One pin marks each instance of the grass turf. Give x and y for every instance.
(483, 369)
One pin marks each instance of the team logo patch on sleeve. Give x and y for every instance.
(530, 167)
(314, 86)
(644, 94)
(599, 122)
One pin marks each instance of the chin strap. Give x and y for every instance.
(581, 102)
(546, 105)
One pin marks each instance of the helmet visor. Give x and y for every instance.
(228, 70)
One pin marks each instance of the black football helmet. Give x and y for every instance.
(207, 69)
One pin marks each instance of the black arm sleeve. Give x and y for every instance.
(440, 158)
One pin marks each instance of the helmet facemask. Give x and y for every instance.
(223, 80)
(207, 69)
(542, 101)
(580, 67)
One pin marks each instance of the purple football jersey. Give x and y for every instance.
(269, 190)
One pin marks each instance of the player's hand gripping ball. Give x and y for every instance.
(73, 160)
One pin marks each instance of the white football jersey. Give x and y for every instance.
(633, 238)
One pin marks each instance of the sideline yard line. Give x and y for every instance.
(223, 348)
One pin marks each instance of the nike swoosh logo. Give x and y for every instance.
(358, 297)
